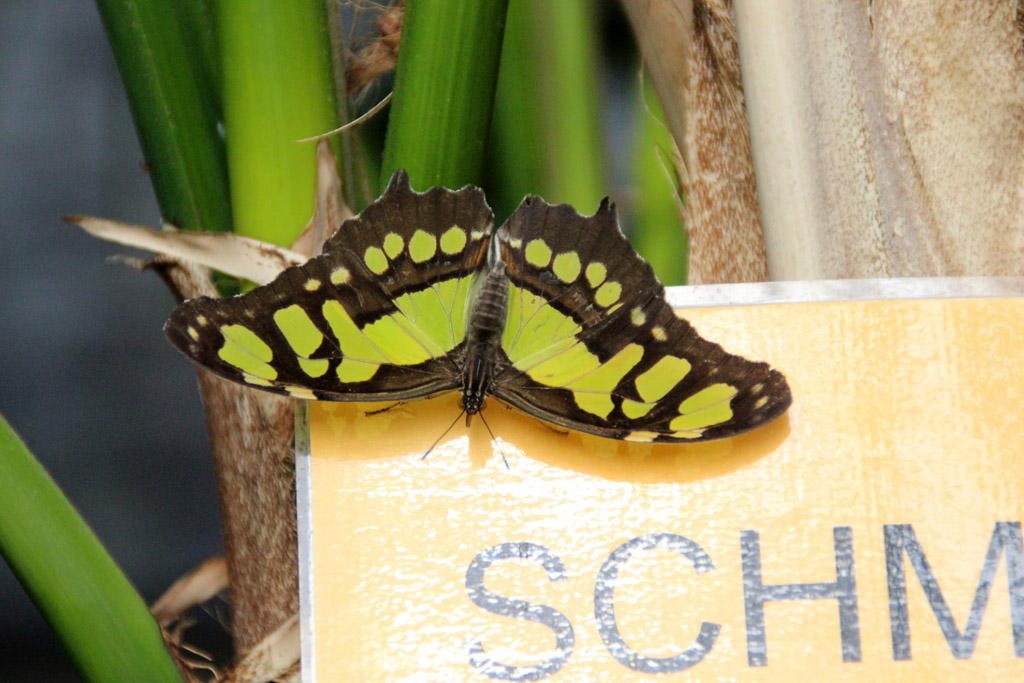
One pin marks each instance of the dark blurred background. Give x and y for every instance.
(86, 377)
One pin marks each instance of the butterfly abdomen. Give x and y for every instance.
(483, 337)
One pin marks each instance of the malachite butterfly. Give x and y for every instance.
(553, 313)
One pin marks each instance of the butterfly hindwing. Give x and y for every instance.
(380, 315)
(592, 344)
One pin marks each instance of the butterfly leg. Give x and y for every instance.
(386, 408)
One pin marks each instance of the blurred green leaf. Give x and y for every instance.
(547, 127)
(658, 232)
(104, 625)
(444, 91)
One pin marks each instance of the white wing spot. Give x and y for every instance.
(300, 392)
(202, 319)
(637, 316)
(658, 332)
(760, 402)
(340, 275)
(312, 285)
(641, 436)
(258, 381)
(193, 333)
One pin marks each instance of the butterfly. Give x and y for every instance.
(553, 313)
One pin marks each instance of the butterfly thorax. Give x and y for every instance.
(483, 337)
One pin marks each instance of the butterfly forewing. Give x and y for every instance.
(592, 344)
(380, 315)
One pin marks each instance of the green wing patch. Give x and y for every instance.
(591, 343)
(380, 315)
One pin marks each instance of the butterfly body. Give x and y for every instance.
(488, 311)
(552, 313)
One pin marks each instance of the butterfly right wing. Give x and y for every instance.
(380, 315)
(592, 344)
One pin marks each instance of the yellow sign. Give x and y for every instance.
(874, 533)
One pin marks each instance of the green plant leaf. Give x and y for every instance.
(658, 232)
(444, 91)
(547, 131)
(104, 625)
(165, 56)
(278, 88)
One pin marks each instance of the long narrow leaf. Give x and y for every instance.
(658, 232)
(547, 128)
(93, 608)
(444, 91)
(174, 102)
(278, 88)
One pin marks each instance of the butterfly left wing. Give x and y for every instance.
(380, 315)
(591, 343)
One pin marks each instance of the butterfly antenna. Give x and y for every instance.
(438, 439)
(494, 441)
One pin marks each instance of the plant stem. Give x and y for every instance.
(444, 91)
(547, 128)
(278, 88)
(174, 102)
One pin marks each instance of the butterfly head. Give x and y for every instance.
(473, 397)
